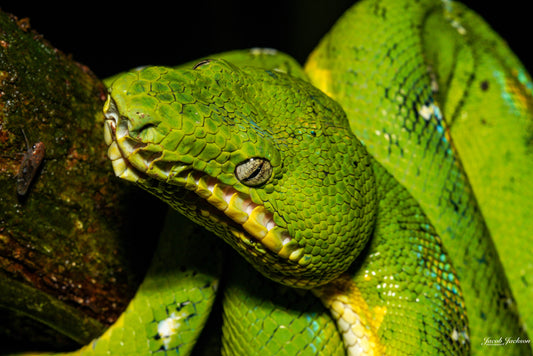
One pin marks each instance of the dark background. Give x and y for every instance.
(110, 38)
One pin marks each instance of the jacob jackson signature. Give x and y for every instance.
(502, 341)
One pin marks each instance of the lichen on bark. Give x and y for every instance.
(74, 246)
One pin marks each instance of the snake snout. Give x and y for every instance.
(110, 123)
(114, 130)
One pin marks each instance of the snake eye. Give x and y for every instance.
(253, 171)
(201, 63)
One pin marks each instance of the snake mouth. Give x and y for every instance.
(246, 218)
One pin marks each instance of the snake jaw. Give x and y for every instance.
(255, 220)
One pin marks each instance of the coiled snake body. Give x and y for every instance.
(351, 185)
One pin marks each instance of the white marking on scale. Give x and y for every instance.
(169, 327)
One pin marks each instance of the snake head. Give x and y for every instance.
(265, 161)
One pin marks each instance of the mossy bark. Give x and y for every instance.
(72, 248)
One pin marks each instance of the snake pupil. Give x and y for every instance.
(254, 173)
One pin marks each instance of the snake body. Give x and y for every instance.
(275, 232)
(456, 91)
(344, 185)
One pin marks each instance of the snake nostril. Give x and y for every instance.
(146, 127)
(146, 132)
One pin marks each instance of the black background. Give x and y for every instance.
(110, 38)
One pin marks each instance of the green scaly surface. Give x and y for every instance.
(300, 128)
(272, 319)
(496, 103)
(182, 134)
(407, 97)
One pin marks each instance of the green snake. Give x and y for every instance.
(372, 189)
